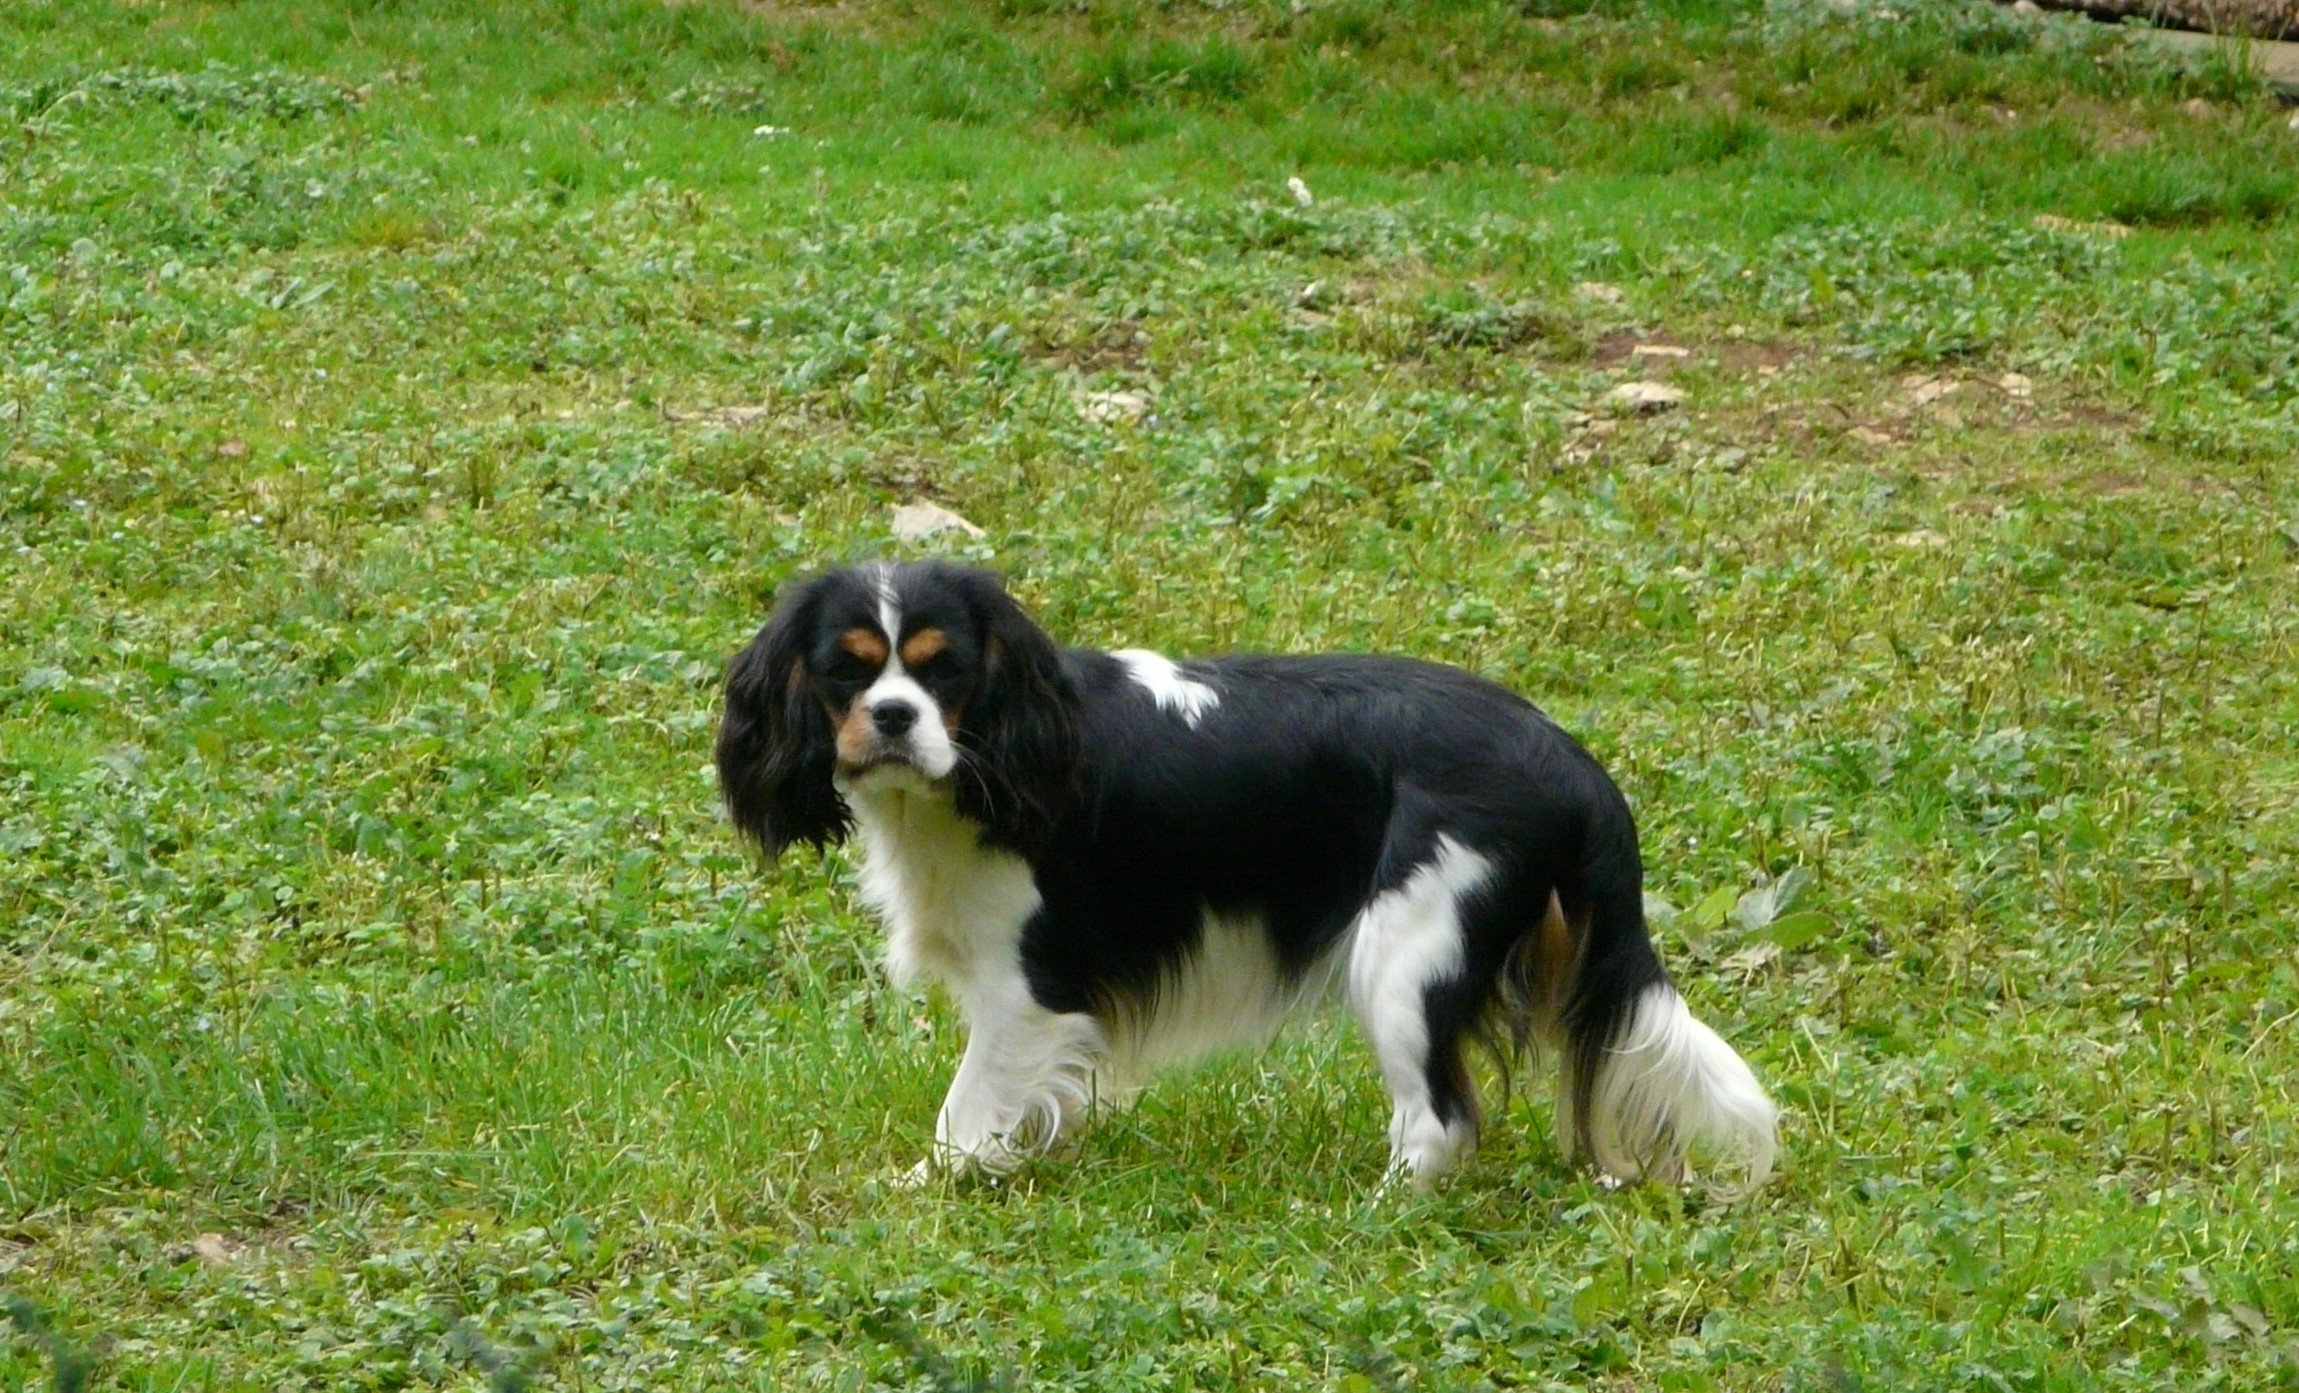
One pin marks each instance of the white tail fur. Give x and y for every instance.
(1669, 1085)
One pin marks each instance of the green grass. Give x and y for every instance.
(374, 527)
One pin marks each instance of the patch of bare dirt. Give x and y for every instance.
(1661, 352)
(1754, 355)
(2085, 415)
(2112, 483)
(904, 478)
(1122, 345)
(730, 417)
(1614, 348)
(834, 12)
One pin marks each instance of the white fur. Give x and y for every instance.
(954, 912)
(1404, 940)
(1168, 686)
(889, 608)
(1026, 1080)
(1670, 1084)
(954, 909)
(1230, 993)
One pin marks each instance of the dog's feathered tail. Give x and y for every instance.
(1641, 1084)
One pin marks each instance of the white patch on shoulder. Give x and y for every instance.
(1168, 686)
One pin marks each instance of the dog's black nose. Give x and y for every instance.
(893, 717)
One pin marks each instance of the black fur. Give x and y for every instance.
(775, 756)
(1315, 784)
(1020, 732)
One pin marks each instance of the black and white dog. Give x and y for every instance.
(1115, 862)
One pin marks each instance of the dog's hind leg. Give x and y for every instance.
(1408, 953)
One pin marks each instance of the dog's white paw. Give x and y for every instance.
(918, 1177)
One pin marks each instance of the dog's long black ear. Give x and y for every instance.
(775, 741)
(1020, 732)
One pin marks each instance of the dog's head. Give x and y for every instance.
(874, 676)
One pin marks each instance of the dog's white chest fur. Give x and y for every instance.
(954, 909)
(954, 912)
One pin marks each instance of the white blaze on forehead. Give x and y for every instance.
(931, 748)
(1168, 686)
(889, 609)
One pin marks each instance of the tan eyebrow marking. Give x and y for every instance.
(923, 645)
(864, 644)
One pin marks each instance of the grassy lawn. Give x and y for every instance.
(406, 407)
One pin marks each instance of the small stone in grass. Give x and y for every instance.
(1645, 397)
(2052, 222)
(1600, 292)
(915, 522)
(1925, 390)
(1109, 408)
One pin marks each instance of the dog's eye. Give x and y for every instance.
(848, 668)
(940, 665)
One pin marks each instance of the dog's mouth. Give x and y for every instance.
(852, 769)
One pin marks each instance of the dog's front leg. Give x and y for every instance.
(1026, 1079)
